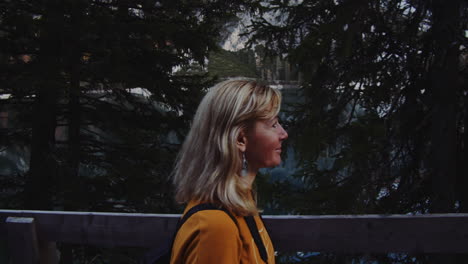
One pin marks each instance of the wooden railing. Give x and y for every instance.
(31, 235)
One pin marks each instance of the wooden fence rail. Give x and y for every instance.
(31, 235)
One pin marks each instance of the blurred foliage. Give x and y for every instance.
(383, 90)
(368, 131)
(381, 125)
(223, 63)
(99, 94)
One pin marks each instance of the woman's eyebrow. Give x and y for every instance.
(273, 119)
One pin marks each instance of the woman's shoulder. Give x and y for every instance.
(213, 220)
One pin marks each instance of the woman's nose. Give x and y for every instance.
(283, 134)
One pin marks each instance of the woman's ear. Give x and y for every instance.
(241, 142)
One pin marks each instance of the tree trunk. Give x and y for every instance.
(446, 29)
(43, 163)
(463, 138)
(73, 186)
(463, 174)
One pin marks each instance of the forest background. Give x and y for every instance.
(96, 96)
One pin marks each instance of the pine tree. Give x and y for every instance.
(382, 128)
(70, 67)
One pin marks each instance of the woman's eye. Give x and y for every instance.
(275, 125)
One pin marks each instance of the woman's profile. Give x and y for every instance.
(234, 133)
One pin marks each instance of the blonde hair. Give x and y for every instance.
(209, 163)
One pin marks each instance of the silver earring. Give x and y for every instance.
(244, 165)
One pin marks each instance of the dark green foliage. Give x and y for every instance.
(69, 67)
(370, 101)
(94, 144)
(382, 128)
(225, 63)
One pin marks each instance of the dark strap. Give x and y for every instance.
(162, 254)
(248, 219)
(256, 236)
(202, 207)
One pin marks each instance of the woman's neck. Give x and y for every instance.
(250, 177)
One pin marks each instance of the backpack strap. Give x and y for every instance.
(256, 236)
(248, 219)
(202, 207)
(162, 254)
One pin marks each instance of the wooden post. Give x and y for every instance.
(22, 240)
(48, 253)
(24, 244)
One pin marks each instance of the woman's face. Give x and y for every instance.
(263, 148)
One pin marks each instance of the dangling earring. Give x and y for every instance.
(244, 165)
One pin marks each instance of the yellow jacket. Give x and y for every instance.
(210, 236)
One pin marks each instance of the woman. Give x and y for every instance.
(235, 132)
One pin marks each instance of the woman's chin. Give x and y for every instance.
(275, 163)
